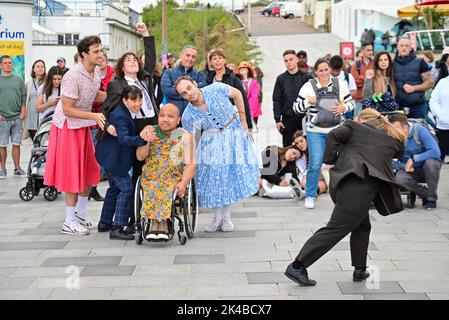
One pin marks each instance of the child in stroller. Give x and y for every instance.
(36, 166)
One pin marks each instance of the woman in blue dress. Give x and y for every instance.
(227, 170)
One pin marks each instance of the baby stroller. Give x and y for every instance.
(185, 208)
(36, 166)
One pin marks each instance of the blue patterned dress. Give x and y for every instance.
(227, 170)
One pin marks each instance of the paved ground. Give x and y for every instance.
(409, 252)
(269, 26)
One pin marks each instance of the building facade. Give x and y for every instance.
(351, 17)
(57, 26)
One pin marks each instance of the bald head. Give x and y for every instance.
(171, 109)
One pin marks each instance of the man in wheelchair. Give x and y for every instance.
(421, 162)
(169, 166)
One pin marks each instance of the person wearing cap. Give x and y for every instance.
(60, 62)
(247, 74)
(413, 78)
(302, 57)
(220, 73)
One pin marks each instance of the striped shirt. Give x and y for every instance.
(302, 105)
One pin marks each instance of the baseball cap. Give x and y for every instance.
(445, 50)
(60, 59)
(301, 53)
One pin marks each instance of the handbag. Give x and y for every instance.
(383, 102)
(388, 199)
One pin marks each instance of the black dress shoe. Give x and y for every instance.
(131, 229)
(102, 227)
(120, 234)
(95, 195)
(300, 276)
(359, 274)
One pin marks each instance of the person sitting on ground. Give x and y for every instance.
(421, 161)
(279, 173)
(116, 155)
(169, 165)
(300, 142)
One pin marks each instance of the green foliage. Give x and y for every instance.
(205, 29)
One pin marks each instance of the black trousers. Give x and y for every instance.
(351, 215)
(291, 126)
(443, 142)
(137, 165)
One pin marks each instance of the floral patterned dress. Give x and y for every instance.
(161, 173)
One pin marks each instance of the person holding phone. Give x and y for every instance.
(49, 94)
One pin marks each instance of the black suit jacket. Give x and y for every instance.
(115, 87)
(362, 150)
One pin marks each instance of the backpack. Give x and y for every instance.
(326, 99)
(358, 66)
(346, 77)
(423, 123)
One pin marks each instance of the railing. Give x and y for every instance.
(435, 39)
(71, 8)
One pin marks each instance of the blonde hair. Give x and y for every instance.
(380, 122)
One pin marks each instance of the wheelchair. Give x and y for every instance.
(183, 210)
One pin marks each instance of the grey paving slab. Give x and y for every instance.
(226, 268)
(446, 235)
(322, 288)
(267, 278)
(438, 296)
(41, 231)
(153, 293)
(39, 272)
(222, 292)
(33, 245)
(394, 296)
(364, 287)
(15, 283)
(240, 215)
(19, 254)
(429, 286)
(107, 271)
(199, 259)
(25, 294)
(81, 294)
(82, 261)
(234, 234)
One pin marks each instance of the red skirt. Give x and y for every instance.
(71, 165)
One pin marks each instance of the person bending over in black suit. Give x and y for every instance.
(361, 154)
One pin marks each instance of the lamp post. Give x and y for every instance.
(164, 32)
(249, 18)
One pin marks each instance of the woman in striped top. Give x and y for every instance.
(316, 131)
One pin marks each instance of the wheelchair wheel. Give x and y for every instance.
(138, 196)
(26, 194)
(182, 240)
(190, 208)
(50, 194)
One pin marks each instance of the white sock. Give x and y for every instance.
(218, 213)
(226, 212)
(69, 214)
(81, 206)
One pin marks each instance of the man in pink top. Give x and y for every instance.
(71, 164)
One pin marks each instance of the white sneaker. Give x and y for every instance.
(227, 225)
(214, 226)
(2, 174)
(86, 222)
(74, 228)
(162, 236)
(298, 193)
(309, 203)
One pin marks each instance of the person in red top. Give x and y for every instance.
(358, 70)
(107, 75)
